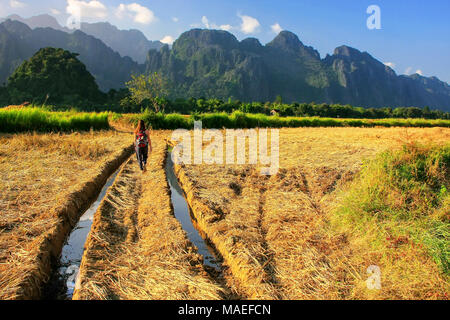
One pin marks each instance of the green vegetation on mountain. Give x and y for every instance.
(214, 64)
(53, 76)
(110, 70)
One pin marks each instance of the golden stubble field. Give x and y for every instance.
(274, 231)
(44, 179)
(137, 249)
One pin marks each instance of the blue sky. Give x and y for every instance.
(414, 35)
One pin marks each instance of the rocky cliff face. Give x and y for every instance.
(361, 79)
(214, 63)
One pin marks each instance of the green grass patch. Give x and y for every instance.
(247, 120)
(404, 196)
(43, 120)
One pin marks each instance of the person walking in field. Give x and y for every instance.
(143, 144)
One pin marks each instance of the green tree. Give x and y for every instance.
(55, 76)
(152, 87)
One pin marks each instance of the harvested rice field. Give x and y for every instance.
(275, 232)
(274, 237)
(137, 249)
(46, 180)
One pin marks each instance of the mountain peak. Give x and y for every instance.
(39, 21)
(286, 40)
(347, 51)
(206, 37)
(251, 44)
(16, 27)
(289, 42)
(132, 43)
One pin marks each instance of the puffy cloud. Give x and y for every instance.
(55, 12)
(212, 25)
(408, 70)
(138, 13)
(249, 24)
(419, 72)
(390, 64)
(276, 28)
(84, 9)
(16, 4)
(168, 40)
(205, 21)
(175, 19)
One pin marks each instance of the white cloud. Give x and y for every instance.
(225, 27)
(16, 4)
(212, 25)
(168, 40)
(55, 11)
(390, 64)
(175, 19)
(408, 70)
(276, 28)
(205, 21)
(419, 72)
(138, 13)
(84, 9)
(249, 24)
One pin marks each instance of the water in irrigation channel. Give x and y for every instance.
(184, 215)
(62, 284)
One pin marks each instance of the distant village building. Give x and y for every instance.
(275, 112)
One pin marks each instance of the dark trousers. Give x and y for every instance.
(142, 156)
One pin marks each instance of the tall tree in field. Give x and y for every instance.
(150, 87)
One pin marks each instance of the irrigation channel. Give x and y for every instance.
(62, 283)
(63, 280)
(184, 214)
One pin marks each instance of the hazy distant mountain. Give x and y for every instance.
(40, 21)
(132, 43)
(214, 63)
(18, 42)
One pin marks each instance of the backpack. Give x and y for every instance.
(141, 139)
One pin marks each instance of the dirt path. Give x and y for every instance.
(136, 248)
